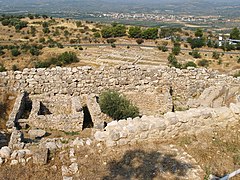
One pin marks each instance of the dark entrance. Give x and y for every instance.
(27, 106)
(87, 119)
(43, 110)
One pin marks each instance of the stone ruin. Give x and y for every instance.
(171, 102)
(60, 112)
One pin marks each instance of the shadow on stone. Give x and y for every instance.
(43, 110)
(138, 164)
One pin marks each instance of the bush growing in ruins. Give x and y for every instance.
(117, 106)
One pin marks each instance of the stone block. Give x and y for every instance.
(100, 136)
(114, 135)
(5, 152)
(40, 156)
(110, 143)
(36, 133)
(235, 108)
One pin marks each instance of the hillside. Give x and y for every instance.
(88, 100)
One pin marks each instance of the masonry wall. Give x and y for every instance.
(168, 126)
(185, 84)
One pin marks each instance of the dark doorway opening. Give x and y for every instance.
(171, 93)
(87, 119)
(97, 99)
(27, 107)
(43, 110)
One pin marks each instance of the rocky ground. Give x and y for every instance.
(185, 157)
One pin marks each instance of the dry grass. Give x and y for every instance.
(31, 171)
(217, 151)
(7, 100)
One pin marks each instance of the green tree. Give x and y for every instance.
(235, 33)
(6, 22)
(176, 50)
(150, 33)
(117, 106)
(199, 33)
(106, 32)
(135, 32)
(197, 42)
(118, 30)
(97, 35)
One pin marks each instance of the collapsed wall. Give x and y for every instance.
(162, 88)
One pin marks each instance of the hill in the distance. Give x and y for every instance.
(196, 7)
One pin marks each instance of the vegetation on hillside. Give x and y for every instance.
(62, 59)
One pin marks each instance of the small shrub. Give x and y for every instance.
(237, 74)
(34, 51)
(196, 54)
(215, 55)
(117, 106)
(238, 61)
(15, 52)
(163, 48)
(190, 64)
(219, 61)
(42, 40)
(113, 45)
(62, 59)
(1, 52)
(15, 68)
(111, 41)
(173, 61)
(46, 30)
(203, 63)
(42, 64)
(2, 68)
(97, 35)
(140, 41)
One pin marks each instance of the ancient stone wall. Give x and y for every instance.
(167, 126)
(164, 86)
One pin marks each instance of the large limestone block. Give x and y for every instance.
(36, 133)
(5, 152)
(224, 113)
(41, 156)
